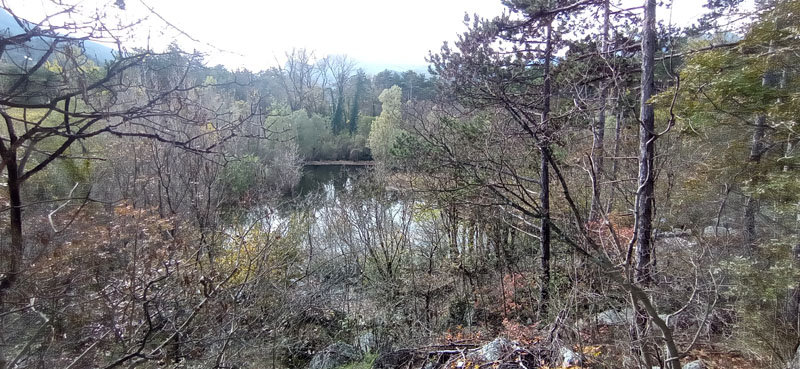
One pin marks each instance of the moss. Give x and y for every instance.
(365, 363)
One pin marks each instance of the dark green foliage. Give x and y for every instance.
(360, 79)
(338, 120)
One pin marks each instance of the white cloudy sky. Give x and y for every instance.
(254, 33)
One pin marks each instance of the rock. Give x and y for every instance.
(795, 363)
(673, 233)
(494, 350)
(570, 358)
(335, 355)
(712, 231)
(613, 317)
(367, 342)
(697, 364)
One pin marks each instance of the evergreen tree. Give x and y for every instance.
(338, 122)
(360, 78)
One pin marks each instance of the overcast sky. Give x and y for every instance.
(253, 34)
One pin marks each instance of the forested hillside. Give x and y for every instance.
(572, 184)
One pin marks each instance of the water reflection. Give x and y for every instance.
(326, 180)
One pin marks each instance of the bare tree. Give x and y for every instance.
(63, 98)
(340, 68)
(298, 78)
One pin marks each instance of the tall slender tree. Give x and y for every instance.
(643, 270)
(354, 108)
(599, 124)
(544, 160)
(647, 136)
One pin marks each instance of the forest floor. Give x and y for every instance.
(532, 352)
(717, 357)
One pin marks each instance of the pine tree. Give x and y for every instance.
(360, 78)
(338, 122)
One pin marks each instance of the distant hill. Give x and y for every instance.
(33, 50)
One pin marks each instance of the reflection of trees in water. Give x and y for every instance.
(325, 179)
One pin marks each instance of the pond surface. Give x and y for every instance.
(326, 179)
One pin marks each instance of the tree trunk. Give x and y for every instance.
(792, 310)
(544, 194)
(598, 136)
(756, 152)
(598, 130)
(544, 197)
(751, 204)
(15, 224)
(16, 252)
(645, 191)
(615, 163)
(643, 272)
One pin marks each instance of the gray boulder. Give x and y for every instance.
(367, 342)
(712, 231)
(570, 358)
(335, 355)
(494, 350)
(795, 363)
(625, 316)
(613, 317)
(697, 364)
